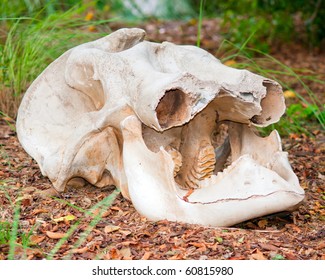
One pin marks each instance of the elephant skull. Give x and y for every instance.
(158, 120)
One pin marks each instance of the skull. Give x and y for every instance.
(169, 125)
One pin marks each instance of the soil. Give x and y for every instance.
(122, 233)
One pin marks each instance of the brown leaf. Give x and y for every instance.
(268, 247)
(113, 254)
(290, 256)
(35, 239)
(258, 255)
(125, 253)
(111, 228)
(262, 223)
(321, 245)
(80, 250)
(55, 235)
(146, 256)
(125, 232)
(38, 211)
(197, 244)
(115, 208)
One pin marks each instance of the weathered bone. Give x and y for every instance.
(154, 119)
(238, 194)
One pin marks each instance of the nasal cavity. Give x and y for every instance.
(174, 108)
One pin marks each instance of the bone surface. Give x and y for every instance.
(156, 120)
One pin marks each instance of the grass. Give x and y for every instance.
(198, 41)
(12, 234)
(102, 206)
(31, 43)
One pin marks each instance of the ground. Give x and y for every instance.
(119, 232)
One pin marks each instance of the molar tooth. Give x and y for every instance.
(197, 150)
(176, 157)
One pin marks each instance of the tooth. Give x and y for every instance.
(176, 157)
(197, 150)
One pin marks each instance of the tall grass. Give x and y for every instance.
(198, 40)
(31, 43)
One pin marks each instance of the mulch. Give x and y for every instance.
(121, 233)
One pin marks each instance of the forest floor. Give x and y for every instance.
(121, 233)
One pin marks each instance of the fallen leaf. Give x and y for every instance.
(125, 232)
(114, 254)
(321, 245)
(55, 235)
(126, 253)
(258, 255)
(115, 208)
(198, 245)
(35, 239)
(241, 240)
(80, 250)
(268, 247)
(237, 258)
(289, 94)
(89, 16)
(146, 256)
(230, 62)
(262, 223)
(39, 211)
(290, 256)
(111, 228)
(65, 218)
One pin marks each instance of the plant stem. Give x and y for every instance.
(198, 41)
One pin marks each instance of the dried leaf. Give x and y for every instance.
(39, 211)
(262, 223)
(89, 16)
(289, 94)
(268, 247)
(80, 250)
(55, 235)
(114, 254)
(230, 62)
(35, 239)
(111, 228)
(241, 240)
(126, 253)
(321, 245)
(146, 256)
(65, 218)
(258, 255)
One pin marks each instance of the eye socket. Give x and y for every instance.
(173, 109)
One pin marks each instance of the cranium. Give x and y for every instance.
(157, 120)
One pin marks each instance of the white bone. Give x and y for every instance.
(229, 198)
(189, 112)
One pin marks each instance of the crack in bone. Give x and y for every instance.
(240, 199)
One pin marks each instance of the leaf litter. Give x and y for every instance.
(58, 224)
